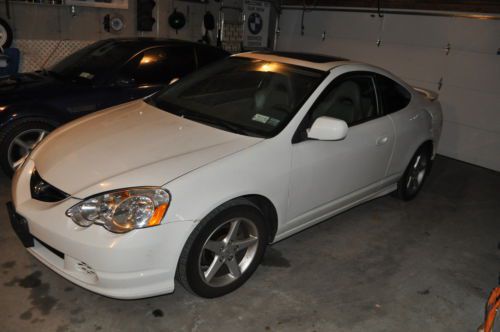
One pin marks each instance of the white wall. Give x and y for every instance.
(413, 47)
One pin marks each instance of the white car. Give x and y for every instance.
(193, 183)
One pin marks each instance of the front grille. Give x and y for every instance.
(44, 191)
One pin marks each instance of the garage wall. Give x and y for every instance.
(457, 56)
(47, 33)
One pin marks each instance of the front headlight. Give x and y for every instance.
(122, 210)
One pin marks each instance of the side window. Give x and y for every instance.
(394, 96)
(160, 65)
(207, 55)
(351, 99)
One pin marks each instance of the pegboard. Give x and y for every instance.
(36, 54)
(232, 37)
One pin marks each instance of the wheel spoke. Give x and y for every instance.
(417, 161)
(233, 231)
(414, 183)
(21, 143)
(213, 268)
(40, 138)
(233, 267)
(409, 182)
(243, 244)
(18, 163)
(214, 246)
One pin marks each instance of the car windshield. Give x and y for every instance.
(94, 61)
(246, 96)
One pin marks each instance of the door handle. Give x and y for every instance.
(382, 140)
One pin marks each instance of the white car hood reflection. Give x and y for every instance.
(134, 143)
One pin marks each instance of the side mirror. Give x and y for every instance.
(326, 128)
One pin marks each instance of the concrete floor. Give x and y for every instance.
(426, 265)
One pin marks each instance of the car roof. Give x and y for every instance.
(144, 42)
(309, 60)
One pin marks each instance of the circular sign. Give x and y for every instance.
(255, 23)
(116, 24)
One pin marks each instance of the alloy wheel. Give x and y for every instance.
(416, 174)
(228, 252)
(21, 146)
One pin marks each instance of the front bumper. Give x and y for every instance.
(137, 264)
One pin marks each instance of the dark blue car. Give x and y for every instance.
(101, 75)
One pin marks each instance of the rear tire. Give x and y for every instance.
(27, 133)
(415, 174)
(224, 250)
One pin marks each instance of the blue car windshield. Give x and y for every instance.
(94, 61)
(247, 96)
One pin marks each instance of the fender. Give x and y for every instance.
(12, 113)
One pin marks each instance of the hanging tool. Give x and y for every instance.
(177, 20)
(7, 8)
(492, 307)
(208, 26)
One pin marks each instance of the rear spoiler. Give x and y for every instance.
(431, 95)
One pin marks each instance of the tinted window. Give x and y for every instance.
(208, 55)
(92, 62)
(160, 65)
(350, 99)
(248, 96)
(394, 96)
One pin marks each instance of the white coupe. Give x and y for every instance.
(193, 183)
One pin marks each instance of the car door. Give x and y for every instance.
(153, 69)
(327, 175)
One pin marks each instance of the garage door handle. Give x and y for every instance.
(382, 140)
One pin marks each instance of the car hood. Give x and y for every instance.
(21, 86)
(133, 144)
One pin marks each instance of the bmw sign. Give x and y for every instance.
(256, 30)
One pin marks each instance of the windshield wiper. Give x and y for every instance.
(46, 72)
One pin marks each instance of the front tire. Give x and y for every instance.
(415, 174)
(223, 251)
(18, 139)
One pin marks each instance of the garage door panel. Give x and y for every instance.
(475, 35)
(425, 31)
(290, 23)
(427, 64)
(355, 26)
(356, 50)
(475, 71)
(471, 108)
(471, 145)
(366, 28)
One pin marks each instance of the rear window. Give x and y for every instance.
(394, 96)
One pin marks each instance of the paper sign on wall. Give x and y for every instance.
(256, 27)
